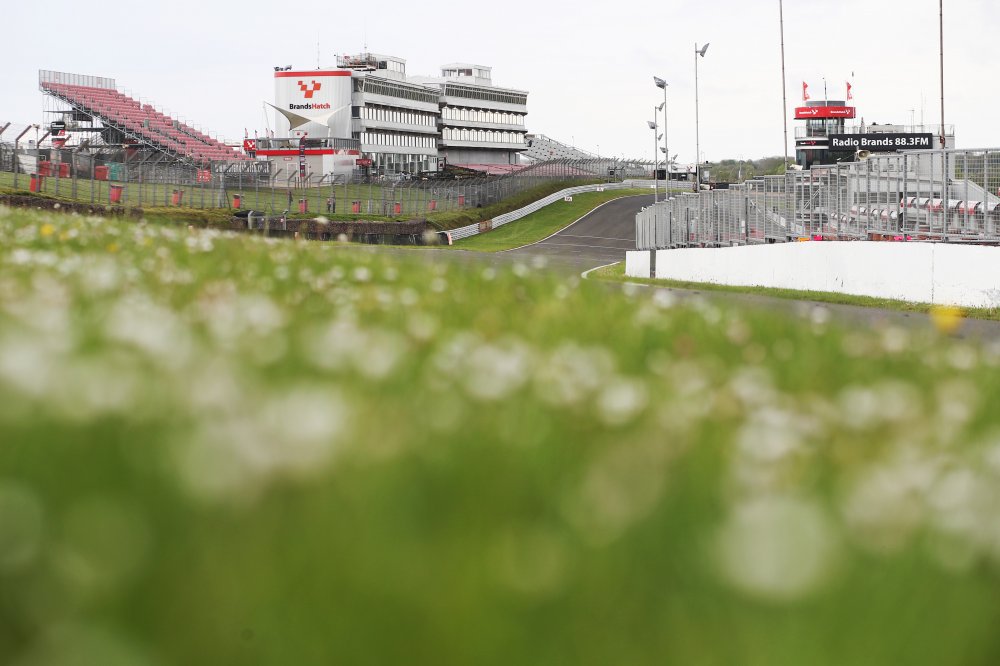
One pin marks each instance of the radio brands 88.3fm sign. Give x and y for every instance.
(881, 142)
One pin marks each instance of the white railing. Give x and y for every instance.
(917, 195)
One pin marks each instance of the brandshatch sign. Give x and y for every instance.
(881, 142)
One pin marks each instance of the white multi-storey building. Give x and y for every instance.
(368, 116)
(480, 123)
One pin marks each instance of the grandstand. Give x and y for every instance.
(120, 119)
(542, 148)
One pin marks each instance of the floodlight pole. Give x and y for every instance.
(660, 83)
(656, 186)
(944, 155)
(697, 134)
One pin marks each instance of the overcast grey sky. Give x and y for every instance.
(587, 66)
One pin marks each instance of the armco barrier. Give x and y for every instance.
(500, 220)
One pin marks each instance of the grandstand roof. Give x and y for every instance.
(541, 147)
(493, 169)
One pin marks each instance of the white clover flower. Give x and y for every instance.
(622, 401)
(884, 507)
(571, 373)
(26, 364)
(493, 371)
(293, 434)
(778, 548)
(151, 328)
(771, 435)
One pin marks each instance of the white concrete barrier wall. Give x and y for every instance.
(637, 264)
(940, 273)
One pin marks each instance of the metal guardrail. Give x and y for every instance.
(920, 195)
(500, 220)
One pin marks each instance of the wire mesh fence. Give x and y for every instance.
(149, 181)
(949, 196)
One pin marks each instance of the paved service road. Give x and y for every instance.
(601, 237)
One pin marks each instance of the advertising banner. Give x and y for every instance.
(812, 143)
(317, 103)
(242, 168)
(881, 142)
(808, 112)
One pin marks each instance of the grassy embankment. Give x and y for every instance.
(542, 223)
(616, 273)
(223, 449)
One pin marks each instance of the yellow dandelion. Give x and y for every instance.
(47, 230)
(113, 247)
(947, 318)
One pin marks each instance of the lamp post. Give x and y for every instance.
(697, 138)
(660, 83)
(656, 187)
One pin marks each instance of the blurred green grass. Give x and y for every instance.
(226, 449)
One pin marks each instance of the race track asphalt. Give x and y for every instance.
(599, 238)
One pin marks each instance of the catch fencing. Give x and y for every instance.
(87, 177)
(948, 196)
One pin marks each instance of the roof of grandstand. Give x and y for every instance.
(137, 122)
(541, 147)
(493, 169)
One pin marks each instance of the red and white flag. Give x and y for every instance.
(850, 95)
(805, 91)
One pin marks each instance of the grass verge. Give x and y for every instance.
(454, 219)
(616, 273)
(542, 223)
(224, 449)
